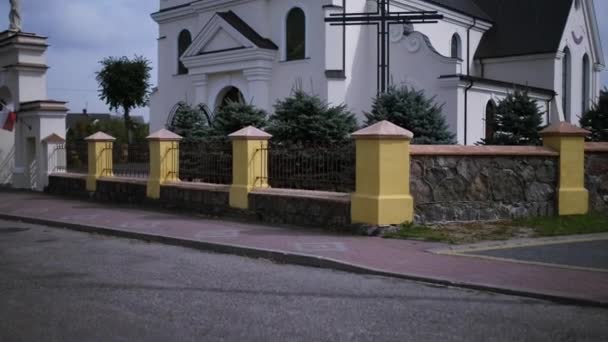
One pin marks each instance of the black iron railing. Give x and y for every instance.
(207, 162)
(324, 168)
(76, 157)
(131, 160)
(57, 159)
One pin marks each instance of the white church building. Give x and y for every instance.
(259, 50)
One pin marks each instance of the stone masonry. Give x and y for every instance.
(596, 180)
(482, 188)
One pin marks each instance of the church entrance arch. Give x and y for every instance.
(228, 95)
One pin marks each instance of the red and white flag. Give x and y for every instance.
(8, 117)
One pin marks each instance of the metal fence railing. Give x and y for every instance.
(76, 157)
(58, 159)
(131, 160)
(324, 168)
(206, 162)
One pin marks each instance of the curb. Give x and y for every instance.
(297, 259)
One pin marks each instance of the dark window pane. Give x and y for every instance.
(566, 83)
(296, 35)
(586, 74)
(490, 117)
(456, 46)
(183, 43)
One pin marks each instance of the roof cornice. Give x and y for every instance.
(193, 8)
(450, 15)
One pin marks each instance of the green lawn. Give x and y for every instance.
(462, 233)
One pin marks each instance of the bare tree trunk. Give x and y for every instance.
(127, 117)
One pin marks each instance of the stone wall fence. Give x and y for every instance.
(395, 182)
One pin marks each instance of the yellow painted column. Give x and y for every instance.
(249, 164)
(164, 161)
(382, 194)
(569, 141)
(100, 158)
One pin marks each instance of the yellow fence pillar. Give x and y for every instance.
(164, 161)
(249, 164)
(569, 141)
(100, 158)
(382, 194)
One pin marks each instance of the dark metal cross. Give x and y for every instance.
(382, 19)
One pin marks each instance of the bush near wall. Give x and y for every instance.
(596, 120)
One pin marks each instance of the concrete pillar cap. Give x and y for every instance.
(164, 135)
(564, 129)
(54, 138)
(100, 136)
(250, 133)
(383, 130)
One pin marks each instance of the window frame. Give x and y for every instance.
(181, 68)
(286, 55)
(456, 39)
(566, 82)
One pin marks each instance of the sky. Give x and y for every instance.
(82, 32)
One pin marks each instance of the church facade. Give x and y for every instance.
(259, 50)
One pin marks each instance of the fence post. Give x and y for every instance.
(100, 158)
(164, 161)
(569, 141)
(249, 164)
(382, 193)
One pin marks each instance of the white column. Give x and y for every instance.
(334, 59)
(259, 87)
(200, 84)
(37, 120)
(596, 82)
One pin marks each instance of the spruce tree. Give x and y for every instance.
(236, 115)
(517, 121)
(191, 123)
(306, 119)
(596, 120)
(412, 110)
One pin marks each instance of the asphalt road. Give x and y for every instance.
(592, 254)
(59, 285)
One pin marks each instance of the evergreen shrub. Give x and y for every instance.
(412, 110)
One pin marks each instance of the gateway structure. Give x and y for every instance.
(212, 51)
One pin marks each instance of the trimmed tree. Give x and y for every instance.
(411, 109)
(596, 120)
(124, 83)
(236, 115)
(304, 118)
(517, 121)
(190, 123)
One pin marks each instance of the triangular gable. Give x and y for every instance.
(226, 31)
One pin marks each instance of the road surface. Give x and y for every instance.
(60, 285)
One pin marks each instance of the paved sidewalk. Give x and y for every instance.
(405, 259)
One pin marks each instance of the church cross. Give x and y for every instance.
(382, 19)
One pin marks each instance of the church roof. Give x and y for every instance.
(468, 7)
(247, 31)
(523, 27)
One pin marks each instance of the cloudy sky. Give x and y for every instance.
(81, 32)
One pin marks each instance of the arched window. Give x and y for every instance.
(586, 85)
(295, 35)
(490, 117)
(456, 46)
(183, 42)
(566, 83)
